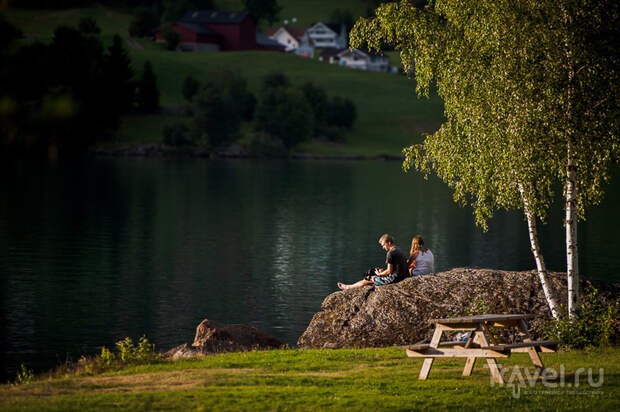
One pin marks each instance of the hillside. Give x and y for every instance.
(390, 116)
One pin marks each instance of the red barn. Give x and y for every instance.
(216, 30)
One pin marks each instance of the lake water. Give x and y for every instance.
(97, 250)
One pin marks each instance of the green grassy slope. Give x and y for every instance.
(390, 116)
(343, 379)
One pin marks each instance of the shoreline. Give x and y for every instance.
(160, 150)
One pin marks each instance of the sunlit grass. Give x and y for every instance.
(362, 379)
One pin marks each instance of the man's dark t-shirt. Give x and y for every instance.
(397, 258)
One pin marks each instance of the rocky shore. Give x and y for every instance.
(399, 314)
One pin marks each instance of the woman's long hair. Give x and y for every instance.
(417, 243)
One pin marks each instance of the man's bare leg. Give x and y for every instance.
(357, 284)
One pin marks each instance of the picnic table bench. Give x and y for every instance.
(481, 343)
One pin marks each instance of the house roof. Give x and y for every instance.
(296, 32)
(335, 27)
(197, 28)
(362, 50)
(214, 16)
(264, 41)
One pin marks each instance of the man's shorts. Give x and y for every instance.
(385, 280)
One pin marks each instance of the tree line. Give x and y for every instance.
(282, 116)
(68, 93)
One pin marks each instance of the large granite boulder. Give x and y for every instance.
(215, 337)
(398, 314)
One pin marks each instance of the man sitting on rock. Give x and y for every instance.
(396, 267)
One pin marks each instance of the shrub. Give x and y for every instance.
(262, 144)
(107, 357)
(596, 323)
(128, 352)
(176, 134)
(190, 88)
(88, 25)
(148, 94)
(317, 98)
(285, 113)
(24, 375)
(219, 107)
(171, 37)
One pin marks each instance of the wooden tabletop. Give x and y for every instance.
(482, 318)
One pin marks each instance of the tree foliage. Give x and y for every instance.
(147, 93)
(219, 107)
(190, 87)
(144, 21)
(530, 91)
(88, 25)
(284, 113)
(63, 94)
(267, 10)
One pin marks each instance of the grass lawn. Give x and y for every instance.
(389, 114)
(363, 379)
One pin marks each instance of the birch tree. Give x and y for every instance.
(523, 87)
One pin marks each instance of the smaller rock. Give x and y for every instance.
(214, 337)
(182, 351)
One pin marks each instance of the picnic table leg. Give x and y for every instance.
(534, 356)
(469, 366)
(493, 368)
(426, 368)
(428, 362)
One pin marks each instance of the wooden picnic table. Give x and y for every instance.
(481, 343)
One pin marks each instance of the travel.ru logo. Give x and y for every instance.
(523, 379)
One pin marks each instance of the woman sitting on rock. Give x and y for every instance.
(421, 260)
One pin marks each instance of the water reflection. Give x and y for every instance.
(91, 252)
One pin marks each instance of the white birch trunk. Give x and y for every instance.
(572, 261)
(538, 257)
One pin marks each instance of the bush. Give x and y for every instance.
(285, 113)
(176, 134)
(317, 98)
(262, 144)
(88, 25)
(219, 107)
(596, 323)
(24, 375)
(148, 94)
(190, 88)
(171, 37)
(130, 353)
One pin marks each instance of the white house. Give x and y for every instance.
(289, 37)
(363, 60)
(325, 36)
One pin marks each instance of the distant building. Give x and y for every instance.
(289, 37)
(325, 35)
(211, 30)
(363, 59)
